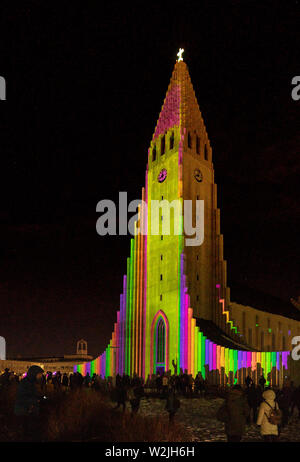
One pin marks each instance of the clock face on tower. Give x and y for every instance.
(198, 175)
(162, 175)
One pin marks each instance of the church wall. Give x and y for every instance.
(198, 268)
(163, 250)
(277, 330)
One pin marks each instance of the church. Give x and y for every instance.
(176, 313)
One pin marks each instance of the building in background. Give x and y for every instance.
(63, 363)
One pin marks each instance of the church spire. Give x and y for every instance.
(180, 108)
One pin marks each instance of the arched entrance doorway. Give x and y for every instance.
(159, 343)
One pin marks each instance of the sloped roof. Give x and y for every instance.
(216, 335)
(264, 302)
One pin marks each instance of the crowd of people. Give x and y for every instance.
(268, 408)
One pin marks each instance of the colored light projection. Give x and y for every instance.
(226, 312)
(155, 326)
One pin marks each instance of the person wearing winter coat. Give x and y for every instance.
(121, 396)
(254, 396)
(134, 397)
(27, 404)
(165, 383)
(4, 378)
(172, 404)
(262, 382)
(65, 380)
(296, 401)
(284, 401)
(268, 431)
(234, 413)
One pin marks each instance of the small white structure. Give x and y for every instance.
(2, 88)
(2, 349)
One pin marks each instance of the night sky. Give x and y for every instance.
(85, 86)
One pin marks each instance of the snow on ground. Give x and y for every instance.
(198, 415)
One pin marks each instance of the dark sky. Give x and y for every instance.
(85, 86)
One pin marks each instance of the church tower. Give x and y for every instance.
(180, 167)
(174, 307)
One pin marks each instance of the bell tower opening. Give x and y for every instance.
(81, 349)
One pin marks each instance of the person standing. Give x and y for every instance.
(165, 383)
(65, 380)
(269, 417)
(4, 378)
(134, 396)
(87, 380)
(27, 404)
(248, 381)
(172, 404)
(296, 401)
(234, 413)
(121, 395)
(158, 383)
(262, 382)
(284, 402)
(254, 400)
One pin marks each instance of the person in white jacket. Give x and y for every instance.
(268, 431)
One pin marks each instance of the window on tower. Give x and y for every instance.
(163, 145)
(197, 277)
(244, 322)
(197, 144)
(172, 141)
(262, 341)
(250, 336)
(283, 343)
(257, 330)
(154, 154)
(160, 297)
(189, 140)
(161, 277)
(273, 342)
(205, 152)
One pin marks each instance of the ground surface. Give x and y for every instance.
(198, 415)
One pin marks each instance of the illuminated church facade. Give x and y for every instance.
(175, 308)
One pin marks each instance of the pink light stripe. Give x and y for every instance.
(170, 113)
